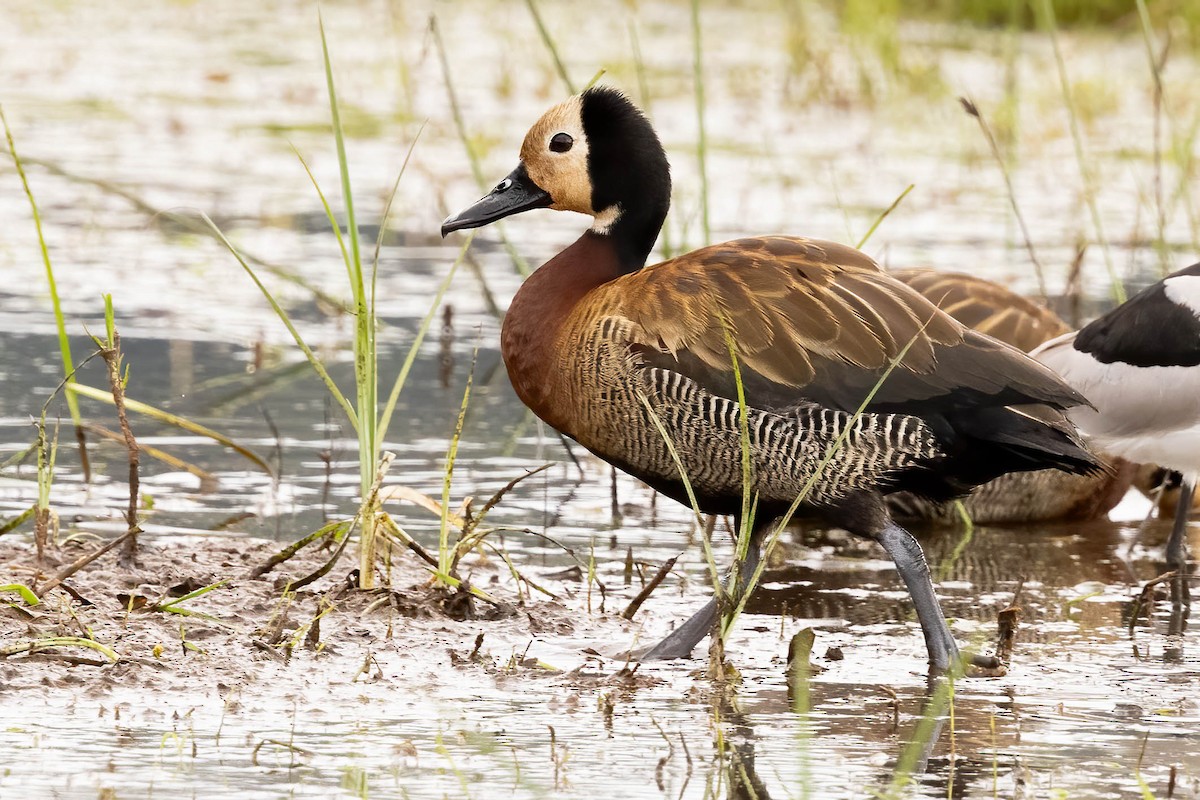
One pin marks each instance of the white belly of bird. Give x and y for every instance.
(1145, 414)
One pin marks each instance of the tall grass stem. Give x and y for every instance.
(1085, 171)
(701, 131)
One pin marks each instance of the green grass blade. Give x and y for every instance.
(387, 211)
(702, 136)
(805, 490)
(365, 364)
(309, 354)
(333, 223)
(549, 42)
(522, 266)
(174, 420)
(11, 524)
(709, 558)
(385, 418)
(64, 343)
(53, 642)
(1089, 188)
(596, 78)
(445, 552)
(879, 220)
(340, 140)
(203, 590)
(27, 594)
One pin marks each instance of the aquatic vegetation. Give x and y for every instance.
(313, 687)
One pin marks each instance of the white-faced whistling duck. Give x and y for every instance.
(595, 340)
(1018, 497)
(1139, 365)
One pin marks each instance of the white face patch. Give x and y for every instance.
(563, 174)
(1184, 290)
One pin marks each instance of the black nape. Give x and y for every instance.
(628, 169)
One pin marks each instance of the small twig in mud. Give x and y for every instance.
(365, 669)
(291, 748)
(110, 351)
(385, 461)
(973, 110)
(269, 650)
(83, 561)
(894, 702)
(662, 762)
(637, 601)
(277, 477)
(1144, 598)
(390, 528)
(332, 529)
(607, 706)
(1007, 627)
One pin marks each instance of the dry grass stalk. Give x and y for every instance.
(111, 353)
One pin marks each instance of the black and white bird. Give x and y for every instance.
(1139, 366)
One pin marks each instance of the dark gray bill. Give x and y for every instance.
(514, 194)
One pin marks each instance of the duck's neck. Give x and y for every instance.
(530, 337)
(632, 233)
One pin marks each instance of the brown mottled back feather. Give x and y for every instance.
(816, 320)
(1021, 496)
(986, 306)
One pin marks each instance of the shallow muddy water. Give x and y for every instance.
(191, 107)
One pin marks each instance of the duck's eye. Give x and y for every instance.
(561, 142)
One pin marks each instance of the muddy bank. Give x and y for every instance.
(249, 632)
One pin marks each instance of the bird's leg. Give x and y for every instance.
(1181, 596)
(914, 571)
(1177, 544)
(681, 641)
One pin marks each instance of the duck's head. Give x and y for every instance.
(596, 154)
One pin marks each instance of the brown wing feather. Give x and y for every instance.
(986, 306)
(813, 320)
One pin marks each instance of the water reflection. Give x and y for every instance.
(199, 104)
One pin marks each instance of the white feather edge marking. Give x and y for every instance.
(605, 219)
(1184, 290)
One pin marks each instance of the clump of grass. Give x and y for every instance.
(366, 416)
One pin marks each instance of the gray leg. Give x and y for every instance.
(681, 641)
(910, 563)
(1177, 544)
